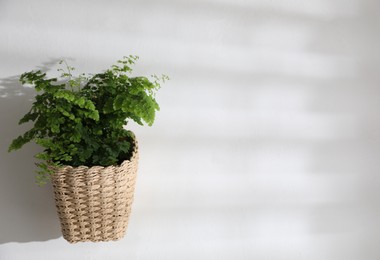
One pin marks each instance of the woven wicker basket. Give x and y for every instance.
(94, 203)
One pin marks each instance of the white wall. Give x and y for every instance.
(267, 144)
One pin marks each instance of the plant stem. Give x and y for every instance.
(69, 74)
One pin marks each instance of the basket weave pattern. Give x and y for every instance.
(94, 204)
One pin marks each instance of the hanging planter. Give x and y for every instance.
(89, 156)
(94, 204)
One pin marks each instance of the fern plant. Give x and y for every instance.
(80, 120)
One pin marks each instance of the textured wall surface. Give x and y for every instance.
(267, 144)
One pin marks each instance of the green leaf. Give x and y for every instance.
(55, 128)
(118, 103)
(89, 105)
(65, 94)
(94, 115)
(108, 106)
(28, 117)
(22, 140)
(81, 102)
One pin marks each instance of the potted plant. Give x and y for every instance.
(89, 156)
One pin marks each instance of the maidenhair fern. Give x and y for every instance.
(80, 120)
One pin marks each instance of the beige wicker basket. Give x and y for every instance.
(94, 203)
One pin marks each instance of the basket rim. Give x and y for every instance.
(98, 167)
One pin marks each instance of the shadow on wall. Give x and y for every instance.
(27, 210)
